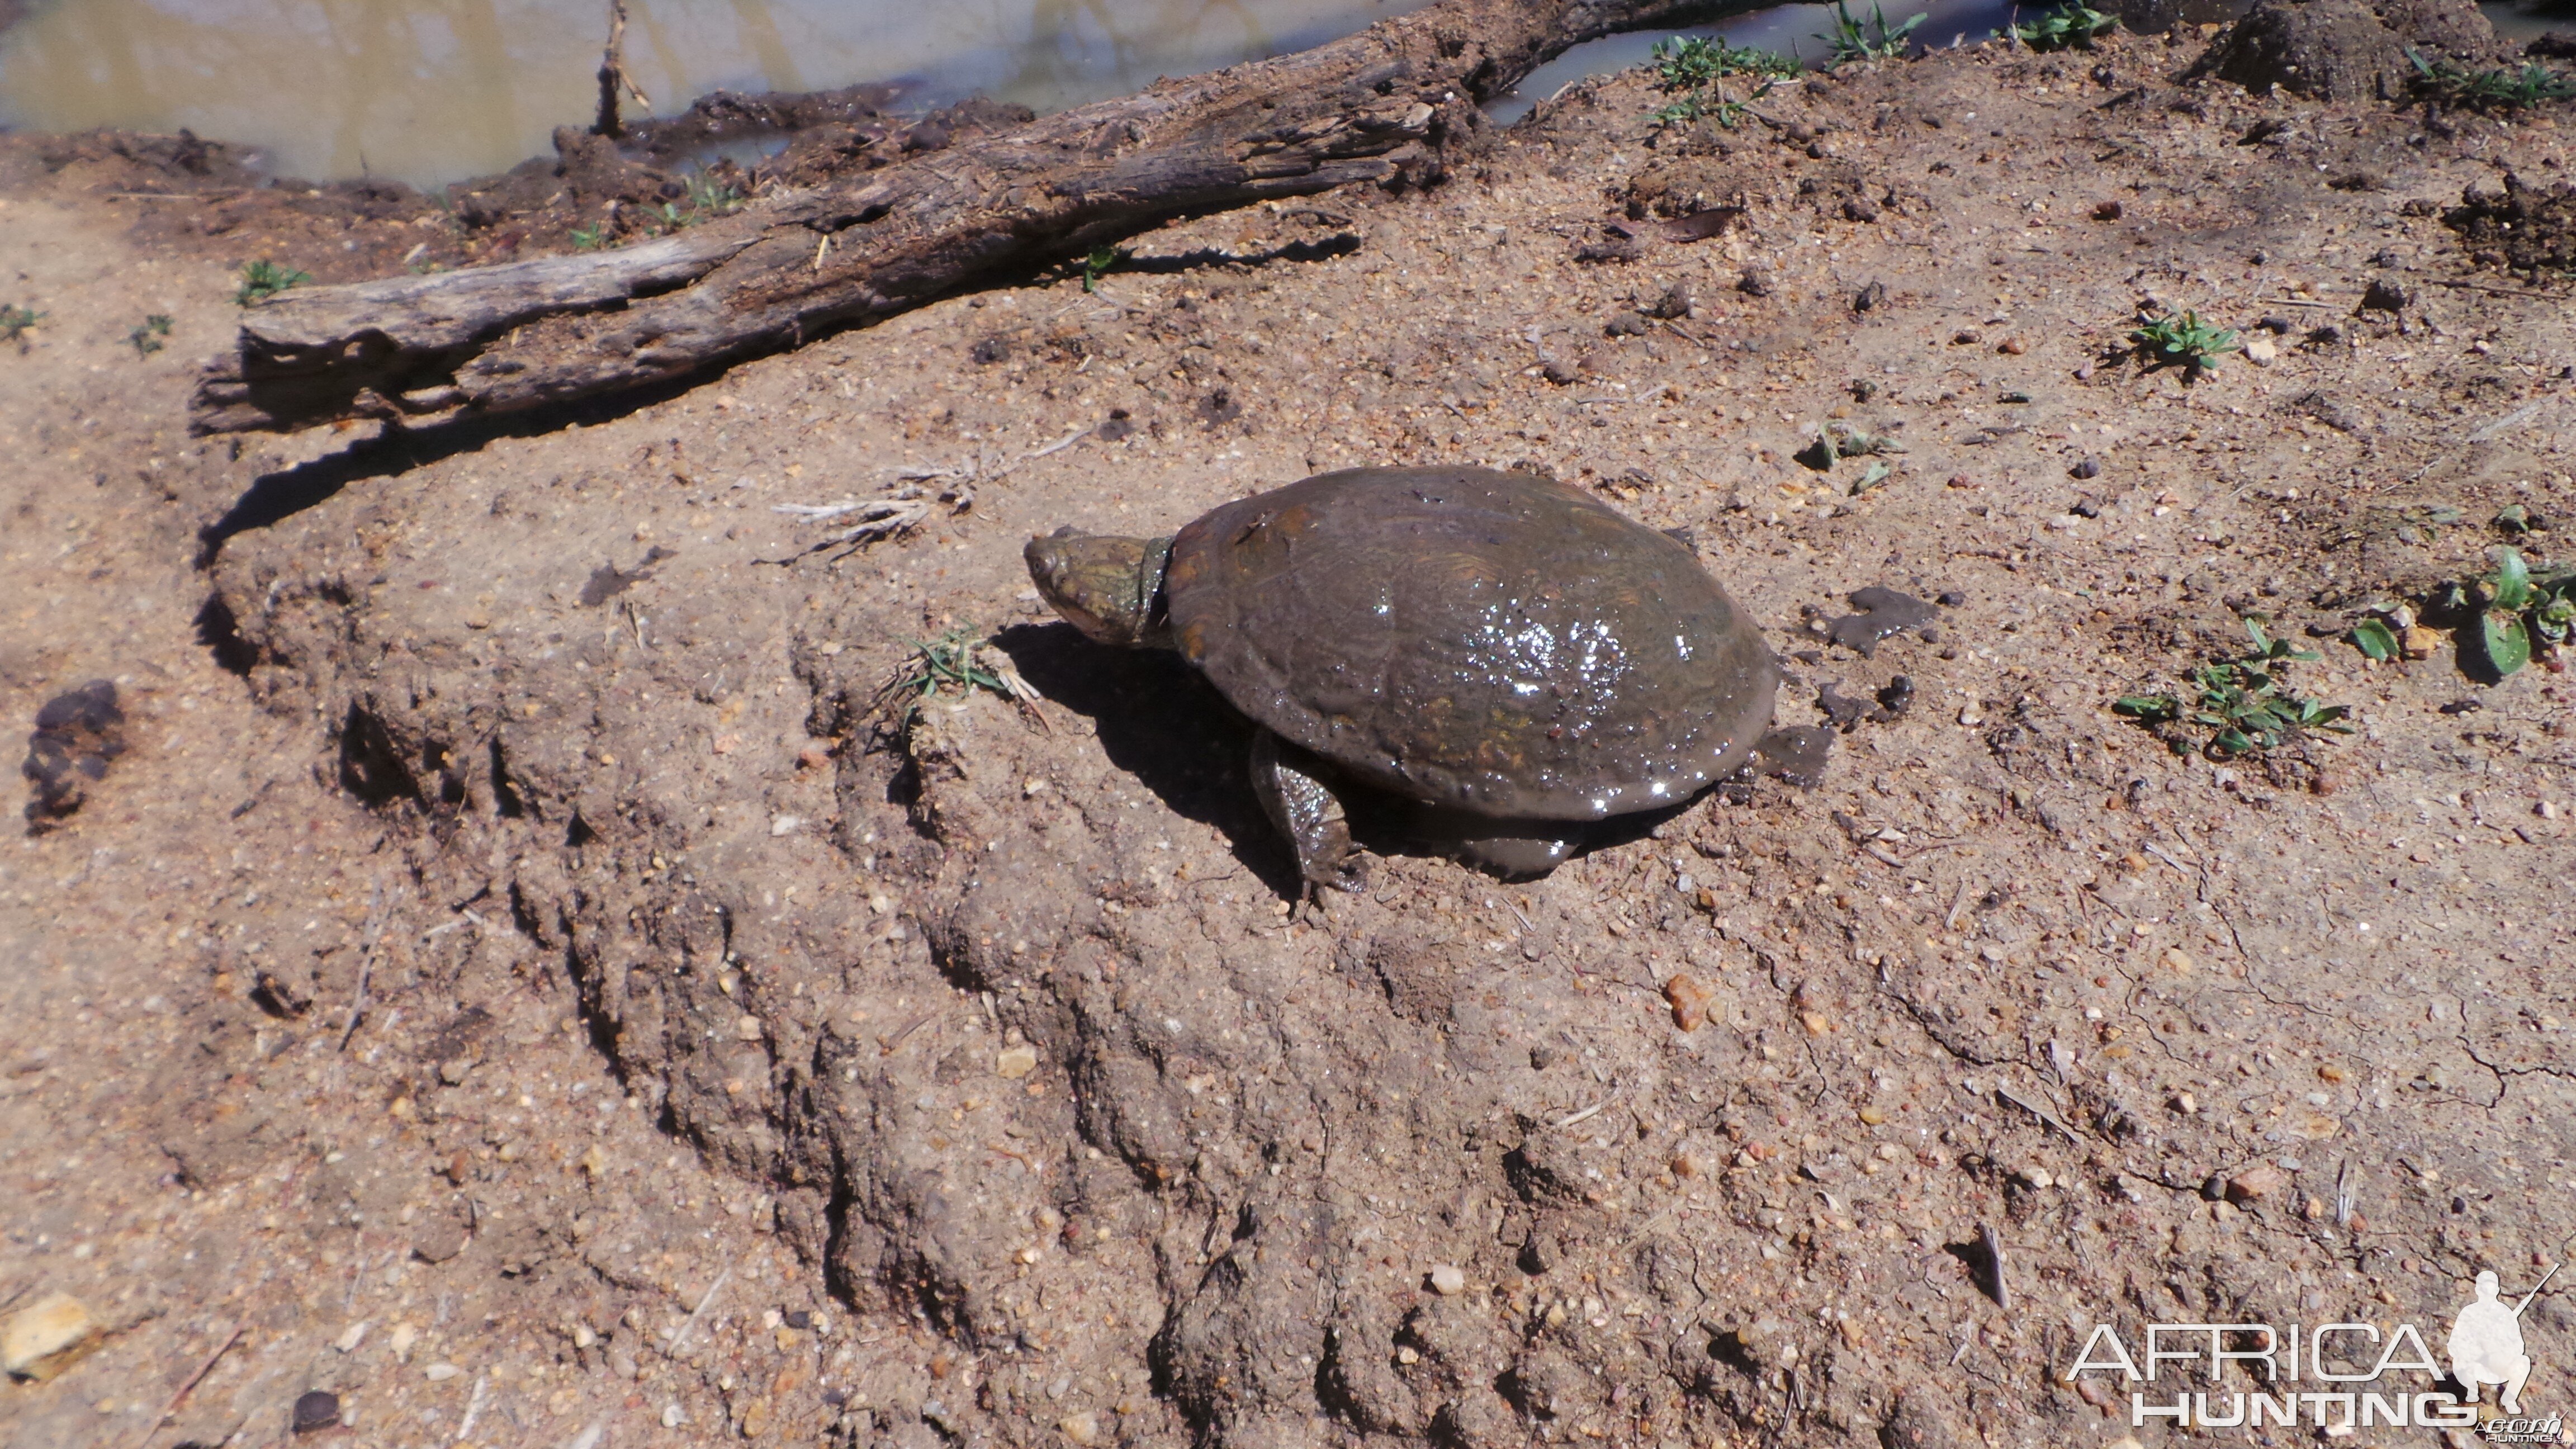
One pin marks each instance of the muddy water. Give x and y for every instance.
(435, 90)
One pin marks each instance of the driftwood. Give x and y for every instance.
(488, 340)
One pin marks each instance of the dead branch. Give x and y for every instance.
(1373, 107)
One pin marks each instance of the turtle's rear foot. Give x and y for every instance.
(1297, 795)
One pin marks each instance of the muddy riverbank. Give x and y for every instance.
(509, 978)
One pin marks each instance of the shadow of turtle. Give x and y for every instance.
(1163, 724)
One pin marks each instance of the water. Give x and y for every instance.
(436, 90)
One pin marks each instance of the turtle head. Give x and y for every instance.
(1109, 588)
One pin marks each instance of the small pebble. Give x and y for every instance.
(672, 1418)
(315, 1412)
(1448, 1281)
(440, 1373)
(350, 1338)
(1015, 1062)
(1689, 1000)
(2255, 1183)
(1082, 1428)
(747, 1029)
(46, 1337)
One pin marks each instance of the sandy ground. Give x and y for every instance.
(719, 1071)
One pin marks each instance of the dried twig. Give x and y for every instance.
(613, 77)
(704, 1303)
(366, 961)
(1995, 1265)
(181, 1394)
(2035, 1110)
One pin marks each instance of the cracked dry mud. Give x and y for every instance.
(721, 1076)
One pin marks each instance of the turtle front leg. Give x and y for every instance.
(1296, 796)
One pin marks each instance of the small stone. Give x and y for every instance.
(1873, 1116)
(453, 1072)
(1448, 1281)
(440, 1373)
(1686, 1166)
(2420, 643)
(2037, 1177)
(785, 825)
(2261, 351)
(440, 1238)
(1015, 1062)
(672, 1418)
(1082, 1428)
(401, 1339)
(1689, 1000)
(2177, 960)
(315, 1412)
(747, 1029)
(2255, 1183)
(594, 1163)
(1816, 1023)
(46, 1337)
(2106, 211)
(351, 1337)
(2012, 346)
(1970, 714)
(2186, 1103)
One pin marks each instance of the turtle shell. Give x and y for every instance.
(1495, 642)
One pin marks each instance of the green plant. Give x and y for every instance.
(590, 238)
(263, 279)
(958, 662)
(146, 339)
(702, 198)
(1713, 104)
(1850, 40)
(2483, 89)
(2514, 607)
(2072, 25)
(2376, 640)
(14, 322)
(2243, 704)
(2183, 340)
(1690, 67)
(1099, 262)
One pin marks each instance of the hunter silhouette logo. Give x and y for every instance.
(2486, 1343)
(2366, 1375)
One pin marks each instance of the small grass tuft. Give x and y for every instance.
(2237, 706)
(590, 238)
(703, 198)
(264, 279)
(1691, 69)
(16, 321)
(1100, 262)
(146, 339)
(2071, 26)
(2522, 89)
(2182, 340)
(1852, 41)
(957, 663)
(2516, 610)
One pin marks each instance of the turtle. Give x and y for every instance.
(1512, 656)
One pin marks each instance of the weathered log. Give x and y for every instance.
(492, 340)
